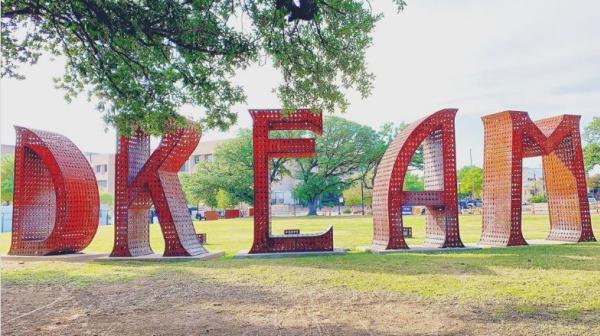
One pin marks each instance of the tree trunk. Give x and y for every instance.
(312, 208)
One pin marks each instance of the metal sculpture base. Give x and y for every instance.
(70, 257)
(160, 257)
(420, 249)
(247, 255)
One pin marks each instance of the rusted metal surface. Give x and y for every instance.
(436, 133)
(211, 215)
(265, 149)
(142, 180)
(56, 200)
(511, 136)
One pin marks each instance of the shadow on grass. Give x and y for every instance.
(579, 257)
(576, 257)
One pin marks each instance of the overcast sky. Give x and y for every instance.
(481, 57)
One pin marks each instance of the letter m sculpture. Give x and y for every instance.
(511, 136)
(436, 133)
(265, 149)
(56, 199)
(142, 180)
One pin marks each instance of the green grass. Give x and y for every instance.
(561, 280)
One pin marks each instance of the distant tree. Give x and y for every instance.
(143, 60)
(539, 198)
(342, 150)
(106, 199)
(223, 200)
(232, 170)
(591, 151)
(413, 182)
(352, 195)
(470, 181)
(7, 168)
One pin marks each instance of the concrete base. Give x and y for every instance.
(534, 242)
(548, 242)
(160, 257)
(419, 249)
(246, 255)
(58, 257)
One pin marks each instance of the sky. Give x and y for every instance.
(539, 56)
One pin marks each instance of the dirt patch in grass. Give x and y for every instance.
(177, 304)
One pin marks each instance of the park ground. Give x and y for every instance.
(535, 290)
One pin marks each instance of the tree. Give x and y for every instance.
(413, 182)
(591, 152)
(7, 168)
(107, 199)
(470, 181)
(223, 200)
(143, 60)
(342, 150)
(232, 170)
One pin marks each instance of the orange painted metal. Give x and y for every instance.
(211, 215)
(511, 136)
(436, 133)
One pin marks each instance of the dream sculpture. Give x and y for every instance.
(511, 136)
(436, 133)
(142, 180)
(265, 149)
(56, 202)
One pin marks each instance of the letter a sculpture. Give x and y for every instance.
(264, 150)
(56, 199)
(511, 136)
(143, 179)
(436, 133)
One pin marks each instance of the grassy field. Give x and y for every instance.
(552, 289)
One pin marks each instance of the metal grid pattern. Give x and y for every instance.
(265, 149)
(56, 202)
(436, 133)
(511, 136)
(142, 180)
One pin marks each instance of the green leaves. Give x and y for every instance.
(7, 168)
(591, 151)
(144, 60)
(470, 181)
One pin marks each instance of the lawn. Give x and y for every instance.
(553, 289)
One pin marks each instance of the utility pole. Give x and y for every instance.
(471, 156)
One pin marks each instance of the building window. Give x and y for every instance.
(102, 184)
(208, 157)
(197, 158)
(101, 169)
(277, 197)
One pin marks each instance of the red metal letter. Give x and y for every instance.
(264, 150)
(56, 200)
(143, 179)
(511, 136)
(436, 132)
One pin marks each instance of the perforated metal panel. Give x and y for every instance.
(436, 133)
(142, 180)
(511, 136)
(56, 202)
(265, 149)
